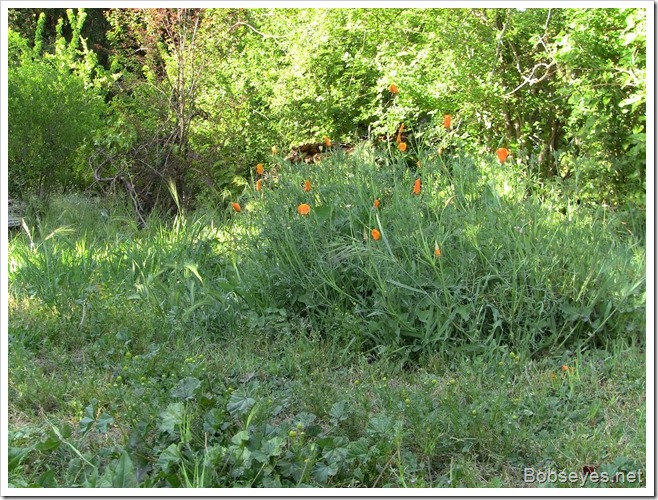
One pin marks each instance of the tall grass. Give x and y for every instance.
(92, 259)
(513, 270)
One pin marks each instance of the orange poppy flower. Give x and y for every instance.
(303, 209)
(417, 186)
(258, 185)
(437, 250)
(565, 368)
(402, 146)
(327, 141)
(398, 139)
(447, 121)
(376, 204)
(307, 186)
(502, 154)
(375, 234)
(236, 206)
(393, 89)
(259, 169)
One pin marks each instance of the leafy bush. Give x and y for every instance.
(53, 110)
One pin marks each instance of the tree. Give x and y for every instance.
(155, 103)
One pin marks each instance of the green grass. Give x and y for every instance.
(265, 348)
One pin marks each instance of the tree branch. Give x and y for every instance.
(264, 35)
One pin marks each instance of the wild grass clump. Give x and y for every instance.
(88, 258)
(469, 260)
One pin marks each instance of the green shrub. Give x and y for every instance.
(511, 271)
(54, 108)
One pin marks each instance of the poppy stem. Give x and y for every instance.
(381, 230)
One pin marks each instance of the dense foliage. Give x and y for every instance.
(327, 247)
(199, 95)
(55, 107)
(308, 335)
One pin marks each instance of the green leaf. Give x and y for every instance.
(66, 431)
(103, 421)
(322, 472)
(194, 270)
(239, 404)
(271, 482)
(124, 474)
(273, 447)
(259, 456)
(290, 469)
(339, 410)
(240, 438)
(381, 425)
(213, 420)
(15, 456)
(335, 456)
(85, 425)
(185, 388)
(305, 418)
(322, 213)
(51, 442)
(89, 417)
(168, 458)
(47, 479)
(171, 417)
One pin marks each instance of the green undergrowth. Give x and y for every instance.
(296, 411)
(268, 348)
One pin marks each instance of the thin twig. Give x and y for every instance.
(264, 35)
(383, 470)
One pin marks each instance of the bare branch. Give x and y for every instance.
(264, 35)
(530, 80)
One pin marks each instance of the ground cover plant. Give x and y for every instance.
(453, 337)
(327, 248)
